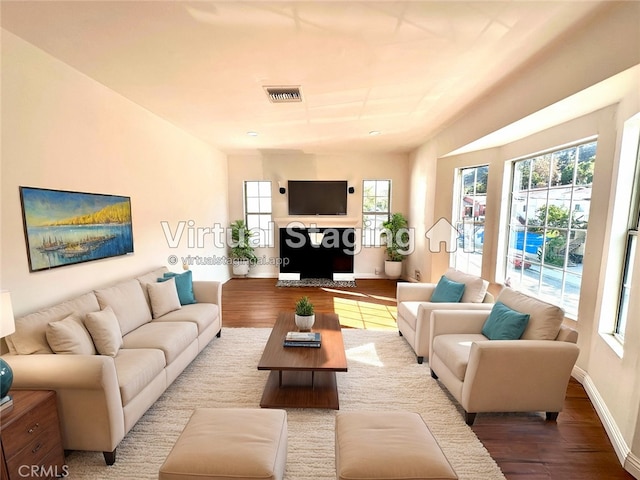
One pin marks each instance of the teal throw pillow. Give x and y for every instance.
(504, 323)
(447, 291)
(184, 285)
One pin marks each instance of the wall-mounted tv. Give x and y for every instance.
(317, 197)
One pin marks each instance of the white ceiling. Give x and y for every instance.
(405, 69)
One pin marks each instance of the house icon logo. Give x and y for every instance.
(442, 232)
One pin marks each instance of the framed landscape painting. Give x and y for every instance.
(63, 228)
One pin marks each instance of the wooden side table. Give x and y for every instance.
(30, 437)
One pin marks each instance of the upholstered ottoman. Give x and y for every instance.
(387, 446)
(230, 444)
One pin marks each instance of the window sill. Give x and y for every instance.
(614, 343)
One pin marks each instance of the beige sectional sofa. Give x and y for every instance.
(110, 353)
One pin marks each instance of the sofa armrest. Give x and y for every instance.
(518, 375)
(414, 292)
(51, 371)
(89, 402)
(208, 291)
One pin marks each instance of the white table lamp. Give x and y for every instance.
(7, 327)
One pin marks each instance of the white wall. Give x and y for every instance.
(284, 166)
(599, 51)
(62, 130)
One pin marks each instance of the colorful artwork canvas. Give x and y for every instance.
(63, 228)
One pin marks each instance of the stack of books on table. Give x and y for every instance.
(302, 339)
(6, 404)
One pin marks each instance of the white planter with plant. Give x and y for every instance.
(304, 316)
(242, 251)
(396, 237)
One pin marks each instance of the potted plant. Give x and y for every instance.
(242, 252)
(396, 237)
(304, 315)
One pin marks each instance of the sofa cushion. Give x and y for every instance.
(136, 368)
(105, 331)
(475, 287)
(184, 284)
(454, 349)
(163, 297)
(447, 291)
(503, 323)
(202, 314)
(151, 277)
(30, 335)
(544, 318)
(128, 303)
(170, 337)
(69, 336)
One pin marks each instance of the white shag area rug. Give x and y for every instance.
(383, 375)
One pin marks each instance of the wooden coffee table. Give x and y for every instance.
(303, 377)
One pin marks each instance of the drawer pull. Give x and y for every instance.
(34, 428)
(36, 448)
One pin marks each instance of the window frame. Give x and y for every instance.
(560, 232)
(630, 250)
(264, 236)
(459, 216)
(371, 236)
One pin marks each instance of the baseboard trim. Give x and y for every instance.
(632, 465)
(629, 461)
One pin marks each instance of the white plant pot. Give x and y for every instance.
(240, 266)
(304, 323)
(392, 269)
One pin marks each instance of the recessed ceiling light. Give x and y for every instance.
(252, 134)
(373, 133)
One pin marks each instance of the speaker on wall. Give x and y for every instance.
(281, 189)
(351, 190)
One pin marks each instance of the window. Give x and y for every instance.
(376, 205)
(471, 205)
(632, 243)
(549, 213)
(257, 207)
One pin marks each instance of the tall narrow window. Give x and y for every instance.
(549, 213)
(471, 205)
(632, 246)
(257, 207)
(376, 205)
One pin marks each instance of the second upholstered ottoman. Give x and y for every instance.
(388, 446)
(229, 444)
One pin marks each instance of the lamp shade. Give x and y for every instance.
(7, 327)
(7, 324)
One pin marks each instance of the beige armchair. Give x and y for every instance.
(415, 307)
(524, 375)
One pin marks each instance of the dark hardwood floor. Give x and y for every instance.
(525, 446)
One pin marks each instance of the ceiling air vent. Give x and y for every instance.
(284, 94)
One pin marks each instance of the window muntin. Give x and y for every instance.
(258, 205)
(549, 213)
(376, 209)
(471, 205)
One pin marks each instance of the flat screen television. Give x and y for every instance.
(317, 197)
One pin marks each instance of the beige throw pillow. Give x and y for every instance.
(69, 336)
(163, 297)
(105, 331)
